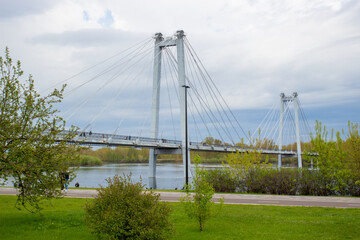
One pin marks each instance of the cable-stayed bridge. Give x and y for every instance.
(199, 112)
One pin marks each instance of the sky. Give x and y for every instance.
(254, 50)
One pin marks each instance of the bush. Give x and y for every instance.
(221, 180)
(281, 181)
(123, 211)
(254, 181)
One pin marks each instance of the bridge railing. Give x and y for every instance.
(126, 137)
(105, 138)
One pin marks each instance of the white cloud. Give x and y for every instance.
(253, 49)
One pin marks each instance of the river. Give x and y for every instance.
(169, 175)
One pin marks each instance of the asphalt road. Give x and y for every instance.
(250, 199)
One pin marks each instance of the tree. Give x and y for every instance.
(123, 211)
(336, 160)
(352, 146)
(29, 127)
(199, 204)
(209, 140)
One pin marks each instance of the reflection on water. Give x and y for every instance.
(169, 175)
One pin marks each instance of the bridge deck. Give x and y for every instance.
(161, 144)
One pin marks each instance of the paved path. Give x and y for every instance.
(251, 199)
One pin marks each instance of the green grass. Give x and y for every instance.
(63, 219)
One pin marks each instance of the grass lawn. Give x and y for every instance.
(63, 219)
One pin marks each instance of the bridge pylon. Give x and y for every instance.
(160, 43)
(283, 99)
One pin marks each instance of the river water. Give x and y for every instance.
(168, 175)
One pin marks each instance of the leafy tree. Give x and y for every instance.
(352, 146)
(209, 140)
(241, 164)
(198, 205)
(123, 211)
(218, 142)
(333, 161)
(265, 143)
(29, 127)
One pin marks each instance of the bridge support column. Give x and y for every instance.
(283, 100)
(182, 92)
(296, 107)
(155, 108)
(159, 44)
(282, 95)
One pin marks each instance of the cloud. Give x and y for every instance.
(89, 37)
(13, 8)
(254, 50)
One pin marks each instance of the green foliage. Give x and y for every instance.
(337, 161)
(198, 205)
(86, 160)
(336, 168)
(119, 154)
(280, 181)
(244, 165)
(222, 180)
(29, 126)
(123, 211)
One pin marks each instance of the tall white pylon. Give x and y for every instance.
(160, 43)
(283, 99)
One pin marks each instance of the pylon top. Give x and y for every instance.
(180, 34)
(158, 36)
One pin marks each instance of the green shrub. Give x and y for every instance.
(123, 211)
(254, 181)
(312, 183)
(222, 180)
(281, 181)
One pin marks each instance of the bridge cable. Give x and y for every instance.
(95, 65)
(213, 97)
(168, 93)
(268, 117)
(133, 81)
(203, 103)
(306, 123)
(269, 121)
(110, 68)
(168, 58)
(191, 70)
(216, 88)
(173, 62)
(78, 106)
